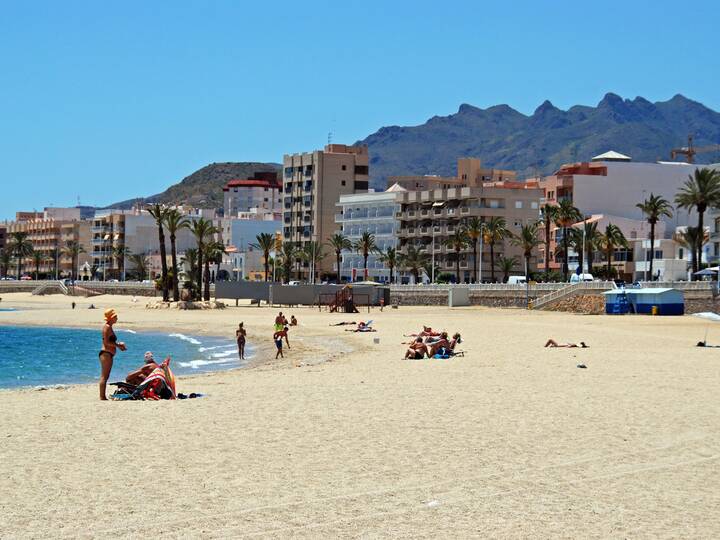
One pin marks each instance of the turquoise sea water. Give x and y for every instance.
(40, 356)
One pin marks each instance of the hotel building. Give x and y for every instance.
(312, 185)
(471, 173)
(373, 212)
(428, 218)
(612, 184)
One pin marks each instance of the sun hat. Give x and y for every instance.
(109, 314)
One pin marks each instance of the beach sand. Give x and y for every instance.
(511, 441)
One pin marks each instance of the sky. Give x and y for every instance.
(107, 101)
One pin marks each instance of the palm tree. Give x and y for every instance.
(654, 208)
(413, 260)
(288, 253)
(527, 240)
(266, 243)
(506, 265)
(592, 241)
(495, 231)
(72, 250)
(613, 238)
(691, 239)
(313, 254)
(214, 250)
(141, 263)
(203, 230)
(549, 217)
(53, 258)
(700, 191)
(458, 241)
(475, 228)
(339, 242)
(38, 258)
(567, 215)
(21, 247)
(364, 246)
(119, 253)
(5, 261)
(159, 212)
(174, 221)
(389, 257)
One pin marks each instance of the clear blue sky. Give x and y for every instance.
(114, 100)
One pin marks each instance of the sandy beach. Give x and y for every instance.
(343, 439)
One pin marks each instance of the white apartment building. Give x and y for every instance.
(373, 212)
(262, 191)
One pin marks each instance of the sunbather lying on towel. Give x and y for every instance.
(552, 344)
(344, 323)
(444, 343)
(425, 332)
(362, 327)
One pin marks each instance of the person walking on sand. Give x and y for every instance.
(110, 345)
(240, 336)
(278, 339)
(279, 322)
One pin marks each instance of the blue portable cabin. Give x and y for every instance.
(667, 301)
(616, 302)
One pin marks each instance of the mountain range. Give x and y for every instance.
(502, 138)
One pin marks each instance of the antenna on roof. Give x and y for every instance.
(330, 134)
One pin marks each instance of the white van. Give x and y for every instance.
(577, 278)
(516, 280)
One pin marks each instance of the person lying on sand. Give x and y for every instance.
(361, 327)
(704, 344)
(425, 332)
(444, 343)
(139, 375)
(344, 323)
(417, 350)
(552, 344)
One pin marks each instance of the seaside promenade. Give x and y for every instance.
(343, 439)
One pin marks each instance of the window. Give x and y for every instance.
(518, 204)
(344, 167)
(534, 205)
(361, 169)
(361, 185)
(681, 253)
(342, 183)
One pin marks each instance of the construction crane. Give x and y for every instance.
(689, 151)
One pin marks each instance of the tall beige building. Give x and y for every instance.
(312, 185)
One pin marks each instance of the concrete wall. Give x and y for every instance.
(247, 290)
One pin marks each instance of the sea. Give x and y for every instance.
(34, 356)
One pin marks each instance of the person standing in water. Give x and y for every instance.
(110, 345)
(240, 336)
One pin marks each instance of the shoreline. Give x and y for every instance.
(263, 357)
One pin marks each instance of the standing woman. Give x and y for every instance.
(240, 336)
(110, 344)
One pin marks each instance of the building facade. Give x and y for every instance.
(45, 232)
(375, 213)
(612, 184)
(429, 218)
(471, 173)
(312, 185)
(262, 191)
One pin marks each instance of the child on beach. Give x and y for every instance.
(278, 339)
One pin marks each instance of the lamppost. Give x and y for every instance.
(482, 238)
(104, 245)
(432, 265)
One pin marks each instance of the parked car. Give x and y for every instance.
(516, 280)
(26, 278)
(293, 283)
(577, 278)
